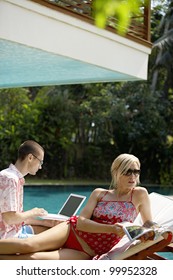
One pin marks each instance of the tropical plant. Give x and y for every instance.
(17, 122)
(119, 9)
(163, 52)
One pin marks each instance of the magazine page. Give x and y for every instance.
(135, 231)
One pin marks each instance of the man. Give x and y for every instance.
(12, 217)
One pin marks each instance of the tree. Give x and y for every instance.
(163, 52)
(119, 9)
(140, 127)
(17, 122)
(55, 126)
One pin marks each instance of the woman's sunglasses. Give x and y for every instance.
(129, 172)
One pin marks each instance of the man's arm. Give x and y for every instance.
(13, 217)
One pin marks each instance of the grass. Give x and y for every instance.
(64, 182)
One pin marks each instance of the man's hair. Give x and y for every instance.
(29, 147)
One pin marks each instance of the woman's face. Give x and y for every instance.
(130, 178)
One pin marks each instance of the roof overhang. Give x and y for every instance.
(40, 46)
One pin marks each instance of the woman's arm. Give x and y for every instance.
(141, 201)
(84, 220)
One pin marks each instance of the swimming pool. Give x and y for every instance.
(52, 197)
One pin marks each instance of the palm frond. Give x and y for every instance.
(165, 41)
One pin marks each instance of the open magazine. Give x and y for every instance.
(136, 231)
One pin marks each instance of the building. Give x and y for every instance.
(52, 42)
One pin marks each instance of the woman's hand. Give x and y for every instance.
(118, 229)
(147, 236)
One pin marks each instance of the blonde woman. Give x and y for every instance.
(98, 227)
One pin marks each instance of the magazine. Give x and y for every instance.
(136, 231)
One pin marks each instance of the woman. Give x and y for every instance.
(98, 227)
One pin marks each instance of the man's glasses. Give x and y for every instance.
(129, 172)
(41, 161)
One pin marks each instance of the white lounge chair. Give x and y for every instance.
(162, 211)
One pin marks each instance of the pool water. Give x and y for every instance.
(52, 197)
(167, 255)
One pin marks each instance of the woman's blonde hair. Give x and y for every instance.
(120, 166)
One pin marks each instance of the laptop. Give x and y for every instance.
(69, 208)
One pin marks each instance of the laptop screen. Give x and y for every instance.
(72, 205)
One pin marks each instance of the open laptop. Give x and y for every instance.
(69, 208)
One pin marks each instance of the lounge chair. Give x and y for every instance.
(162, 211)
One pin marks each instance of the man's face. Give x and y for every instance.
(36, 162)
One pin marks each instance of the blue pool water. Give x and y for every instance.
(52, 197)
